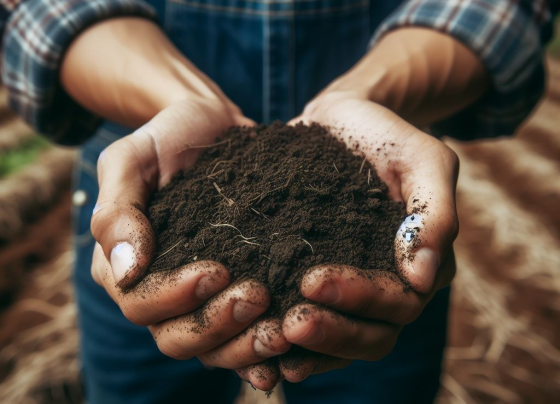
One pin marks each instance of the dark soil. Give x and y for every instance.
(271, 202)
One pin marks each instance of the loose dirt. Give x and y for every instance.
(271, 202)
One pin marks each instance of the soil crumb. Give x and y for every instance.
(271, 202)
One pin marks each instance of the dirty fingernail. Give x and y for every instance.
(263, 351)
(244, 311)
(123, 259)
(328, 294)
(206, 288)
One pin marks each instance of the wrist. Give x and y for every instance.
(367, 80)
(173, 80)
(126, 70)
(418, 73)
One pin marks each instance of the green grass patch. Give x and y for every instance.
(25, 153)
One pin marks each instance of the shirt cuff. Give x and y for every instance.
(508, 42)
(35, 40)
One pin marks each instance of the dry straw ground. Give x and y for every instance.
(505, 317)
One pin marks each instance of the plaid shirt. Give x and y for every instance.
(507, 35)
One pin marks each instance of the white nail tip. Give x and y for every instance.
(263, 351)
(122, 260)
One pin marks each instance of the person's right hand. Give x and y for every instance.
(170, 302)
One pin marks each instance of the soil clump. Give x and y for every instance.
(271, 202)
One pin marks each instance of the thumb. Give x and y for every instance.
(427, 233)
(127, 172)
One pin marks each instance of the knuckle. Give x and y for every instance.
(101, 221)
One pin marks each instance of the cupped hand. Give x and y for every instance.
(361, 317)
(192, 310)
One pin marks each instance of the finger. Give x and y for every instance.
(297, 364)
(377, 295)
(298, 119)
(241, 120)
(302, 363)
(222, 318)
(262, 341)
(126, 176)
(325, 331)
(428, 232)
(263, 376)
(327, 363)
(162, 295)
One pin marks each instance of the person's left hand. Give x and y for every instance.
(359, 317)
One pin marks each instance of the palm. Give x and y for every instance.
(393, 146)
(419, 170)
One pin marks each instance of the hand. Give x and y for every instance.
(359, 317)
(171, 303)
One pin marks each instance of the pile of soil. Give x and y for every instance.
(271, 202)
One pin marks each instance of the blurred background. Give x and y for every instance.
(504, 344)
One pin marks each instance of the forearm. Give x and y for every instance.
(421, 74)
(126, 70)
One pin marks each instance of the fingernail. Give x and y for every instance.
(206, 287)
(245, 311)
(328, 294)
(122, 260)
(313, 336)
(263, 351)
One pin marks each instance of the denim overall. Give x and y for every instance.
(270, 57)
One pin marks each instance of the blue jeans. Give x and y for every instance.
(270, 58)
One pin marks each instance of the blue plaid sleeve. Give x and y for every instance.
(508, 36)
(36, 33)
